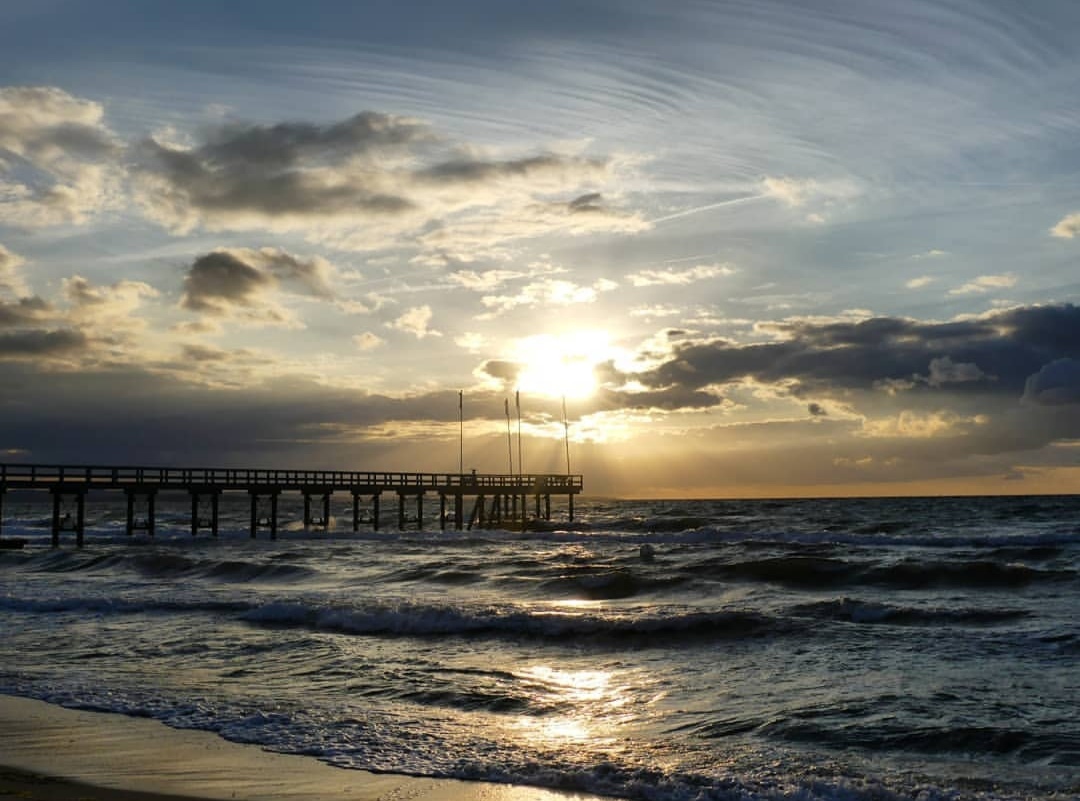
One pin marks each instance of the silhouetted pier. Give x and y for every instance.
(497, 500)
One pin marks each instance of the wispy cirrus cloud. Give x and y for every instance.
(670, 276)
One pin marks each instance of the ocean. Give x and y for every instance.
(846, 650)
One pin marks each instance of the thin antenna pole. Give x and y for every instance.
(509, 438)
(521, 462)
(461, 430)
(566, 430)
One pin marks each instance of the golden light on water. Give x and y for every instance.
(592, 696)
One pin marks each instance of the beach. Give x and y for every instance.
(48, 753)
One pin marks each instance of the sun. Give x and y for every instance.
(562, 365)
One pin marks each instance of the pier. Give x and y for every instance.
(500, 500)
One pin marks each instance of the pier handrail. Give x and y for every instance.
(44, 476)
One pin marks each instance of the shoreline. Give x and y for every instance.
(52, 753)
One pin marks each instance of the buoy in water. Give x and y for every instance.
(647, 552)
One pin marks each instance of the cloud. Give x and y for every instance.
(371, 181)
(548, 292)
(992, 354)
(816, 410)
(1067, 227)
(58, 161)
(10, 280)
(36, 344)
(912, 425)
(920, 282)
(416, 321)
(985, 283)
(1056, 384)
(944, 370)
(26, 311)
(240, 284)
(368, 341)
(672, 277)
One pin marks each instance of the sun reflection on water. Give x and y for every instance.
(581, 705)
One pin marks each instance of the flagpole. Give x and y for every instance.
(521, 462)
(461, 430)
(509, 438)
(566, 430)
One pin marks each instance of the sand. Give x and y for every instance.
(48, 753)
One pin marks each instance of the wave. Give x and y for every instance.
(420, 620)
(164, 565)
(856, 611)
(829, 572)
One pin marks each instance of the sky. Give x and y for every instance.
(755, 248)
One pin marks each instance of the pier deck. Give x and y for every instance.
(499, 499)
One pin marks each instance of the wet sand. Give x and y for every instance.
(48, 753)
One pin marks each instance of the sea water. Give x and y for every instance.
(787, 649)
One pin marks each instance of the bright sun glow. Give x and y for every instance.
(562, 364)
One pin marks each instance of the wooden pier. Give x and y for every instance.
(497, 500)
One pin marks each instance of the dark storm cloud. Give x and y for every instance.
(816, 410)
(33, 344)
(288, 144)
(220, 279)
(291, 169)
(369, 180)
(23, 312)
(995, 353)
(1056, 384)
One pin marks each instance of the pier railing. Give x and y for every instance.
(38, 476)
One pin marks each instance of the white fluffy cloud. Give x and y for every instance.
(985, 283)
(1067, 227)
(57, 158)
(416, 321)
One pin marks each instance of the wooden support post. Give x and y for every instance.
(326, 510)
(420, 512)
(130, 511)
(442, 511)
(401, 511)
(570, 500)
(272, 523)
(375, 511)
(307, 510)
(78, 525)
(150, 520)
(547, 506)
(80, 518)
(355, 511)
(56, 519)
(459, 511)
(197, 521)
(538, 506)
